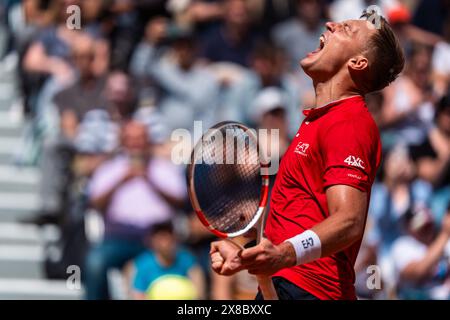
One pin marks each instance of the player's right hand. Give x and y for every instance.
(225, 258)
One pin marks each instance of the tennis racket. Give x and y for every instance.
(228, 185)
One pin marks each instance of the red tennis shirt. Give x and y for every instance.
(338, 144)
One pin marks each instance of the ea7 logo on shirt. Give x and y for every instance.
(301, 148)
(355, 162)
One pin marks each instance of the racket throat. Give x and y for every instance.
(260, 228)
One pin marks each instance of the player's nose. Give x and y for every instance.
(331, 26)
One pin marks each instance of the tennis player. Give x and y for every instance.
(320, 198)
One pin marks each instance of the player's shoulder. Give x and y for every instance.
(354, 114)
(351, 108)
(350, 122)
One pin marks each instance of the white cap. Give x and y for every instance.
(267, 100)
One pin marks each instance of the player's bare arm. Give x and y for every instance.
(347, 206)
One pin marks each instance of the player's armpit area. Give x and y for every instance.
(347, 206)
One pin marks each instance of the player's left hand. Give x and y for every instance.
(267, 258)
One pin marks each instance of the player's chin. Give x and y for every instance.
(305, 63)
(309, 63)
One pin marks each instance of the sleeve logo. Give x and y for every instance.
(355, 162)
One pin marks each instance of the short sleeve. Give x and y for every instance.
(350, 153)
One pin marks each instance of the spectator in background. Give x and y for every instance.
(203, 15)
(267, 70)
(50, 52)
(53, 43)
(163, 258)
(268, 13)
(95, 141)
(390, 199)
(50, 55)
(188, 90)
(122, 105)
(121, 96)
(269, 113)
(399, 17)
(85, 93)
(234, 39)
(73, 103)
(98, 131)
(341, 10)
(126, 29)
(441, 61)
(432, 158)
(433, 154)
(298, 36)
(134, 191)
(422, 257)
(408, 111)
(430, 15)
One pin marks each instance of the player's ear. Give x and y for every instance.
(358, 63)
(358, 68)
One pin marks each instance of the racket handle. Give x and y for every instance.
(267, 288)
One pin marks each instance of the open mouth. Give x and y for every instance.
(321, 44)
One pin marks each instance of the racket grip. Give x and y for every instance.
(267, 288)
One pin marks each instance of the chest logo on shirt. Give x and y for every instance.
(355, 162)
(301, 148)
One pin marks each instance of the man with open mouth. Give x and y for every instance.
(320, 199)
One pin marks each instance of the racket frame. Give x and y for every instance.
(265, 283)
(264, 195)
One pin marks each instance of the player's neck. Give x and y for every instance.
(332, 90)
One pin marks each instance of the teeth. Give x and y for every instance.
(322, 42)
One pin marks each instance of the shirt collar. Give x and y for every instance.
(319, 111)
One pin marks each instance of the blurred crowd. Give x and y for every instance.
(102, 98)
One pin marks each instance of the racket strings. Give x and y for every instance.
(229, 193)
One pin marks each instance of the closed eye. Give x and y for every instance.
(347, 28)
